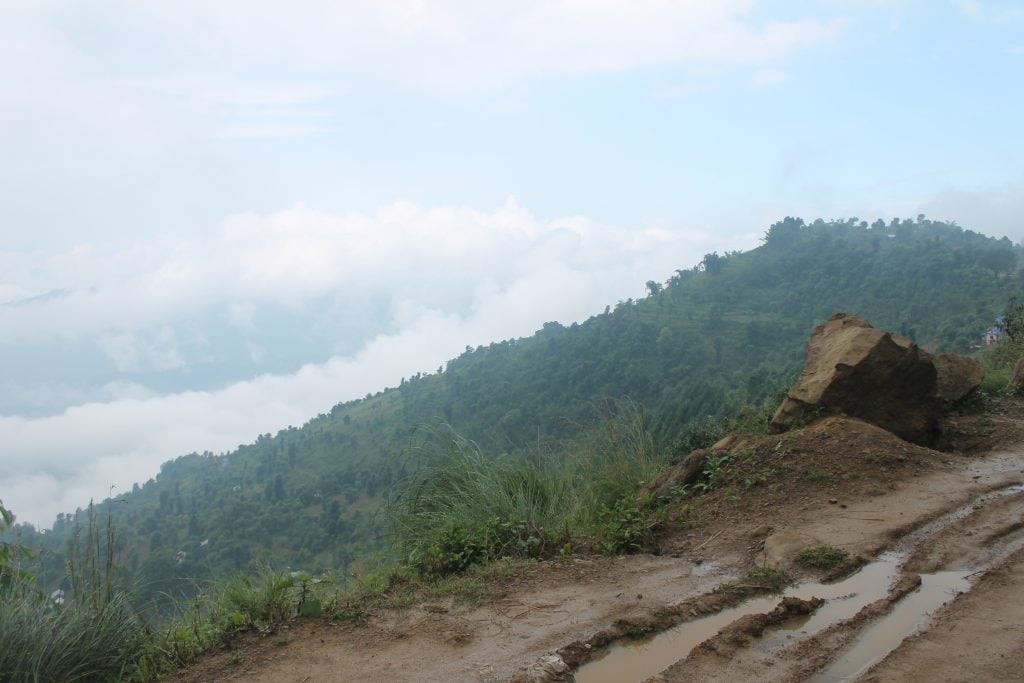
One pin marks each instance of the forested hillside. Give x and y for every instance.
(724, 333)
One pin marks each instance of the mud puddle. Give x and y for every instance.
(639, 661)
(884, 636)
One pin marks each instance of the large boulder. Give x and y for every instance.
(958, 377)
(857, 370)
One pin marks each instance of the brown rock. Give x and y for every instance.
(958, 376)
(684, 473)
(857, 370)
(1016, 384)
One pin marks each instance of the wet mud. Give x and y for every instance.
(883, 603)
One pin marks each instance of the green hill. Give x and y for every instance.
(724, 333)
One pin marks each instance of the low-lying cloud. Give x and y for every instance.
(437, 279)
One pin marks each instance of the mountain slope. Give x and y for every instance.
(729, 331)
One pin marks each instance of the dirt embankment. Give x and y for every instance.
(840, 482)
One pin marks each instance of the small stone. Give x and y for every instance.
(833, 501)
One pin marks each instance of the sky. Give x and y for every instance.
(221, 218)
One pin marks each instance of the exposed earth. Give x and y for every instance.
(945, 526)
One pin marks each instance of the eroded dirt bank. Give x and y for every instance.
(843, 486)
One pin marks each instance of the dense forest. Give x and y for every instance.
(724, 333)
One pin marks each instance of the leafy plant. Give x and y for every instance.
(628, 527)
(261, 601)
(713, 475)
(304, 583)
(13, 575)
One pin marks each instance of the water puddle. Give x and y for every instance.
(884, 636)
(639, 661)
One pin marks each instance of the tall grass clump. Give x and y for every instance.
(93, 634)
(261, 601)
(613, 458)
(461, 506)
(43, 641)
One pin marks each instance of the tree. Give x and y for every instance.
(12, 575)
(785, 233)
(712, 263)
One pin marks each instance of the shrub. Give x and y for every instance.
(628, 527)
(461, 507)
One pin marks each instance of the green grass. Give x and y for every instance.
(759, 579)
(43, 641)
(998, 361)
(462, 507)
(822, 557)
(95, 635)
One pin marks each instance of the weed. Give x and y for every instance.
(309, 605)
(713, 475)
(261, 601)
(773, 580)
(628, 527)
(822, 557)
(759, 579)
(94, 635)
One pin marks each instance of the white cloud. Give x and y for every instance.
(434, 256)
(457, 43)
(156, 75)
(768, 76)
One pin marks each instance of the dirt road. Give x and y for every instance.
(926, 524)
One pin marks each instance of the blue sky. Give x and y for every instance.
(220, 218)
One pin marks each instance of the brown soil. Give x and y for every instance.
(978, 637)
(840, 482)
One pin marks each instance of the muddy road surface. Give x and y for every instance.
(939, 593)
